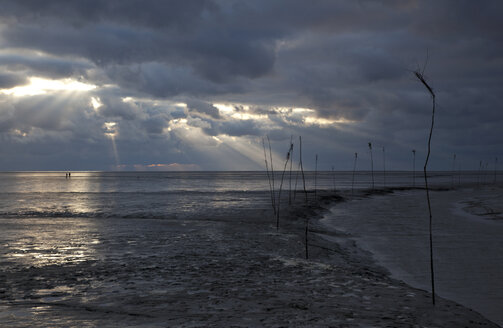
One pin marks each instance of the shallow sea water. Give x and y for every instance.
(468, 257)
(177, 195)
(127, 248)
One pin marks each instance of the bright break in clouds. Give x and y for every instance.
(189, 85)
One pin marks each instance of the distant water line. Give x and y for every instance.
(167, 194)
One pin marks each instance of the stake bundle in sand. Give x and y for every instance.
(420, 77)
(288, 156)
(269, 178)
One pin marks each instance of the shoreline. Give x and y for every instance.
(346, 247)
(210, 272)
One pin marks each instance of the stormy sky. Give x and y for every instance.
(196, 85)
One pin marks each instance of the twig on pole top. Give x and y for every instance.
(421, 78)
(288, 155)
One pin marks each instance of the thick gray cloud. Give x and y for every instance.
(200, 107)
(47, 66)
(349, 61)
(235, 129)
(8, 80)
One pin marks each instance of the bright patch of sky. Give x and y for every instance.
(38, 86)
(200, 83)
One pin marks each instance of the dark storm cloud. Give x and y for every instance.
(113, 107)
(347, 60)
(134, 32)
(235, 129)
(200, 107)
(8, 80)
(152, 13)
(161, 80)
(155, 124)
(45, 66)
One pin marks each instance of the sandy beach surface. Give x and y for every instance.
(467, 230)
(217, 271)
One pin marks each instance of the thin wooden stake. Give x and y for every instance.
(305, 193)
(306, 239)
(281, 185)
(315, 175)
(302, 168)
(296, 180)
(272, 169)
(413, 167)
(353, 179)
(459, 175)
(269, 179)
(291, 163)
(333, 178)
(371, 164)
(384, 165)
(453, 170)
(478, 175)
(495, 168)
(420, 76)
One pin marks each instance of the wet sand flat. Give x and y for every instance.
(194, 273)
(467, 243)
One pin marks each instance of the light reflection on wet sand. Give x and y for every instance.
(70, 272)
(119, 249)
(41, 242)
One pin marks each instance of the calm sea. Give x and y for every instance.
(179, 194)
(106, 248)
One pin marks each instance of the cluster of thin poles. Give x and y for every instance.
(371, 168)
(276, 201)
(483, 172)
